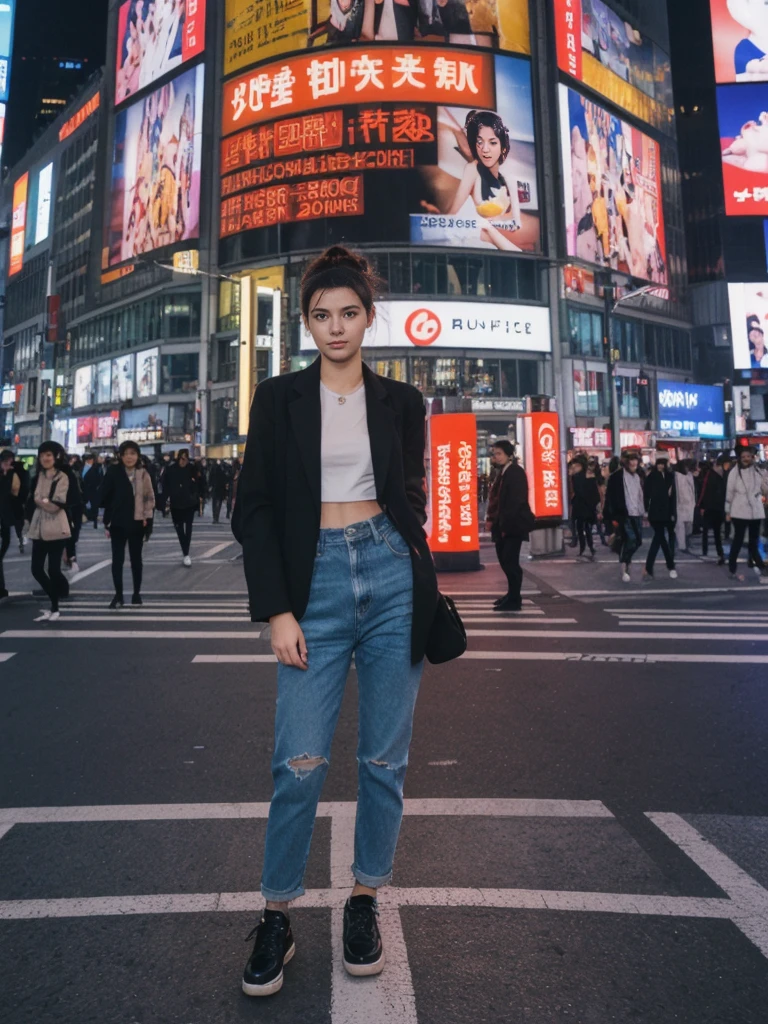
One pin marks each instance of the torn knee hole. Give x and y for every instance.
(381, 764)
(303, 765)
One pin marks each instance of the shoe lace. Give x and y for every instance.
(268, 935)
(359, 920)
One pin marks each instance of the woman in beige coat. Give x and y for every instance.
(49, 527)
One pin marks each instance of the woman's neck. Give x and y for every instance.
(342, 379)
(50, 472)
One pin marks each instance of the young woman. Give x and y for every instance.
(49, 527)
(586, 501)
(331, 505)
(129, 501)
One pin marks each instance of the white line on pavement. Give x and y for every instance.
(6, 655)
(128, 615)
(390, 900)
(673, 623)
(233, 659)
(130, 634)
(90, 570)
(501, 618)
(216, 549)
(626, 659)
(574, 634)
(750, 899)
(670, 591)
(490, 808)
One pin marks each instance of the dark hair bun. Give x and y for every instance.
(339, 267)
(338, 256)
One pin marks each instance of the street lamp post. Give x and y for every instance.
(611, 360)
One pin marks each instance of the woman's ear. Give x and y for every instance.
(371, 316)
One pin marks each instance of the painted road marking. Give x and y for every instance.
(6, 655)
(627, 659)
(670, 591)
(216, 549)
(234, 659)
(573, 634)
(498, 617)
(133, 634)
(90, 570)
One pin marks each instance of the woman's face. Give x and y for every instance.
(337, 322)
(47, 460)
(183, 459)
(130, 457)
(488, 147)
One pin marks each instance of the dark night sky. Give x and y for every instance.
(48, 28)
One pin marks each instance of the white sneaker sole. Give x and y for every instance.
(365, 970)
(273, 986)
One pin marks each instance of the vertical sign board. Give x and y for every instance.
(18, 225)
(454, 539)
(542, 464)
(568, 35)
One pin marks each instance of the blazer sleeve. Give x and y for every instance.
(107, 496)
(262, 552)
(730, 491)
(414, 441)
(513, 500)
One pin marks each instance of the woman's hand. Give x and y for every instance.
(288, 641)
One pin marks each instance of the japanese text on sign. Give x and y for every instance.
(568, 33)
(305, 200)
(542, 463)
(453, 482)
(450, 77)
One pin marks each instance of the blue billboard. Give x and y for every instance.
(691, 410)
(7, 11)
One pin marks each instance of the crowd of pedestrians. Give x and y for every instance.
(49, 505)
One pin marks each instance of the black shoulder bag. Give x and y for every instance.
(447, 637)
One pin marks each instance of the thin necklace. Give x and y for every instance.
(341, 399)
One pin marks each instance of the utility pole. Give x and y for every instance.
(611, 360)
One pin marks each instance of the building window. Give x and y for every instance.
(588, 392)
(179, 373)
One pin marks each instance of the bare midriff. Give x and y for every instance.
(335, 515)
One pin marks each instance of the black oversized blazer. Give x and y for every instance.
(279, 492)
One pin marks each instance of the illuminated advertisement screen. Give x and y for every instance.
(153, 38)
(103, 382)
(741, 111)
(7, 9)
(121, 389)
(606, 53)
(83, 387)
(612, 191)
(155, 188)
(445, 135)
(255, 30)
(749, 325)
(691, 410)
(453, 482)
(739, 29)
(146, 372)
(38, 219)
(18, 224)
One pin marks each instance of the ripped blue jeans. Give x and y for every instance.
(360, 603)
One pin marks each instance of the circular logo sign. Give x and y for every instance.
(423, 327)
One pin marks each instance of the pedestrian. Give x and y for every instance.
(660, 498)
(574, 466)
(129, 503)
(93, 476)
(745, 496)
(10, 488)
(219, 487)
(509, 520)
(686, 504)
(76, 508)
(712, 505)
(586, 501)
(625, 508)
(201, 469)
(20, 503)
(49, 526)
(329, 448)
(181, 493)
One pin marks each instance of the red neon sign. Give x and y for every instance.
(542, 463)
(453, 482)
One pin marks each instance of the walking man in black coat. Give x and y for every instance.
(661, 507)
(509, 518)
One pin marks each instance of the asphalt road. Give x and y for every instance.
(586, 815)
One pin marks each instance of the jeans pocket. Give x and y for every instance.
(396, 544)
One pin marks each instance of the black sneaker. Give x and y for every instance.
(499, 600)
(363, 951)
(509, 605)
(274, 946)
(136, 599)
(116, 602)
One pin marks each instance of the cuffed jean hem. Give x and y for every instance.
(281, 897)
(371, 881)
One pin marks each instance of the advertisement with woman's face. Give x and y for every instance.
(155, 189)
(742, 112)
(153, 38)
(740, 40)
(749, 325)
(122, 379)
(83, 387)
(612, 184)
(482, 193)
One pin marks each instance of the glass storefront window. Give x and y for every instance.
(528, 377)
(480, 377)
(179, 373)
(588, 392)
(394, 368)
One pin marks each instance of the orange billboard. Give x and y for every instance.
(542, 463)
(18, 224)
(449, 77)
(453, 483)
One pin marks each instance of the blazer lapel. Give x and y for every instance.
(305, 416)
(381, 427)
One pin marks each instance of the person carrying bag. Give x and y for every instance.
(49, 525)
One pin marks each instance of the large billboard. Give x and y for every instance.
(155, 188)
(83, 390)
(7, 10)
(749, 325)
(502, 326)
(612, 191)
(147, 373)
(691, 410)
(606, 53)
(256, 30)
(40, 189)
(739, 29)
(121, 389)
(741, 111)
(18, 224)
(446, 135)
(153, 38)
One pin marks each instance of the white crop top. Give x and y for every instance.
(345, 447)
